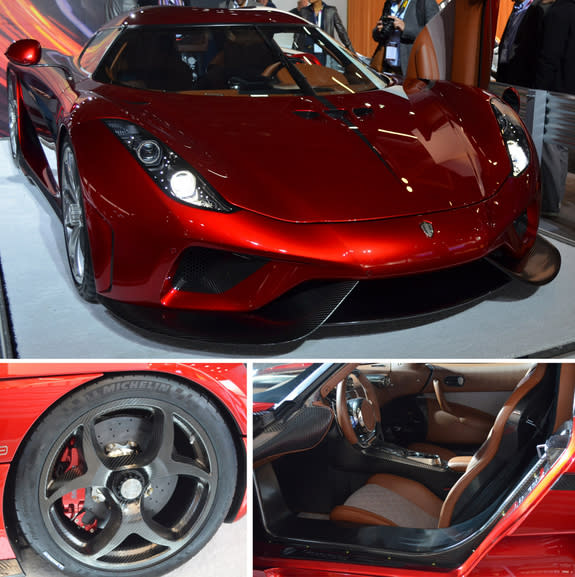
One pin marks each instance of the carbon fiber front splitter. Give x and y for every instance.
(292, 317)
(335, 305)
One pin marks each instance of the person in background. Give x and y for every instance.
(300, 5)
(556, 63)
(400, 23)
(266, 3)
(328, 19)
(555, 71)
(520, 44)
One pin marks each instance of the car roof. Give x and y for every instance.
(178, 15)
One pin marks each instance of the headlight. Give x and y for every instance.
(170, 172)
(514, 136)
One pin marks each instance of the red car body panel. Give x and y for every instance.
(423, 152)
(28, 390)
(537, 537)
(553, 517)
(6, 551)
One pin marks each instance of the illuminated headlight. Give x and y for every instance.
(168, 170)
(514, 136)
(184, 186)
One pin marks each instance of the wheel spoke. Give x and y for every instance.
(70, 174)
(163, 450)
(189, 469)
(79, 259)
(89, 451)
(163, 436)
(73, 238)
(13, 119)
(155, 533)
(110, 537)
(125, 522)
(61, 487)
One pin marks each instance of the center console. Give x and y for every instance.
(406, 456)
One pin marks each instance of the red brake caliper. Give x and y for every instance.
(73, 502)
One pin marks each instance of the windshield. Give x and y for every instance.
(234, 60)
(273, 382)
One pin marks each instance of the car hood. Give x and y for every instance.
(375, 155)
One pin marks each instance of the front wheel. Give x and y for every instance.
(130, 475)
(74, 222)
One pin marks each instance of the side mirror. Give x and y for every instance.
(511, 96)
(24, 52)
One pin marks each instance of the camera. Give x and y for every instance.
(386, 30)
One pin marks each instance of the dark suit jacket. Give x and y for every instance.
(556, 64)
(519, 68)
(331, 23)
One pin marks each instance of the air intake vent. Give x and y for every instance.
(209, 271)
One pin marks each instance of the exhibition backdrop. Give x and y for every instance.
(60, 24)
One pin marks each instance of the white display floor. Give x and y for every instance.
(51, 321)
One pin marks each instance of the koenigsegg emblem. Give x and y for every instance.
(427, 228)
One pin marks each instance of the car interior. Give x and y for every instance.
(404, 462)
(239, 59)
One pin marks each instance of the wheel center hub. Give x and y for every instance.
(131, 489)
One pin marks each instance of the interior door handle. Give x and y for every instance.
(454, 380)
(443, 404)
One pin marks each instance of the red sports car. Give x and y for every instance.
(119, 468)
(162, 147)
(408, 469)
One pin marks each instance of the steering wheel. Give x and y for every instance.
(358, 417)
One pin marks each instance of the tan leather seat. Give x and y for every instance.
(391, 500)
(452, 423)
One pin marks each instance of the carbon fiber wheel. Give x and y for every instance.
(74, 221)
(131, 484)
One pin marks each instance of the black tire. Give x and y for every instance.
(14, 118)
(74, 223)
(154, 464)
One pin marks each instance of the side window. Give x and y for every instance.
(95, 49)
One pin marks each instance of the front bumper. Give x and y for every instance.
(337, 305)
(188, 259)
